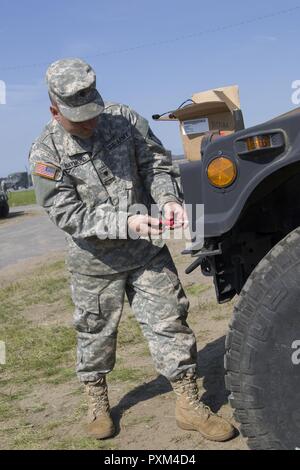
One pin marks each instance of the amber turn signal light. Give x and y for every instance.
(258, 142)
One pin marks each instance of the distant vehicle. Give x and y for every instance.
(4, 207)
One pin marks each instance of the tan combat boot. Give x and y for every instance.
(191, 414)
(101, 425)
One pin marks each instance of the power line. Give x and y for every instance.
(199, 33)
(167, 41)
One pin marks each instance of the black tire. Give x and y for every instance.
(263, 351)
(4, 210)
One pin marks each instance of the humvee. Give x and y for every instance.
(4, 207)
(249, 183)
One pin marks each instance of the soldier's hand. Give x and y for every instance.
(176, 212)
(144, 225)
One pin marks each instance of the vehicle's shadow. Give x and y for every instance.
(12, 215)
(210, 367)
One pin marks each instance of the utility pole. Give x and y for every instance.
(28, 179)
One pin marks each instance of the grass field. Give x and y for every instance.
(21, 198)
(40, 352)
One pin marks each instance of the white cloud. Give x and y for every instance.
(265, 38)
(78, 48)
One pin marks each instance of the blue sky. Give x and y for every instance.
(261, 57)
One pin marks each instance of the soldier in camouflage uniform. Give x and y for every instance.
(93, 164)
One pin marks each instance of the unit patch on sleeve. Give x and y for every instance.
(45, 170)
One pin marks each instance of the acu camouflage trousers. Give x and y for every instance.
(160, 306)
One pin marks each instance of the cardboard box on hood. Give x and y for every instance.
(212, 110)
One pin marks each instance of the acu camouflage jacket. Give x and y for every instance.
(87, 184)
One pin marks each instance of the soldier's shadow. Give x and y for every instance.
(210, 368)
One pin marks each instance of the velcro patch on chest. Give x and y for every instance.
(46, 171)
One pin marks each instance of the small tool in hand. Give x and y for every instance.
(166, 223)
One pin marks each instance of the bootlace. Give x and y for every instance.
(187, 387)
(98, 396)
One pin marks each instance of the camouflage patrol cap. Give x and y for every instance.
(72, 84)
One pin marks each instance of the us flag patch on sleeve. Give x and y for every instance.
(45, 170)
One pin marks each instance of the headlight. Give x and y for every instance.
(221, 172)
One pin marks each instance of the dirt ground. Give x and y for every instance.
(53, 413)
